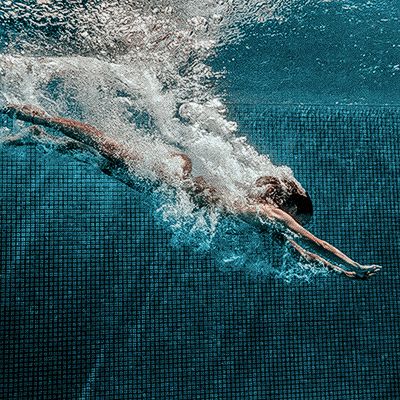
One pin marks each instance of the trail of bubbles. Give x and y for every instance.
(90, 89)
(138, 71)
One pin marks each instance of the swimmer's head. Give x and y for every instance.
(285, 194)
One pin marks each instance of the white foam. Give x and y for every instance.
(146, 58)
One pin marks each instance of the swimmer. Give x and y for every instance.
(279, 201)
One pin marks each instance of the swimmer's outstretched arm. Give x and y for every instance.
(321, 247)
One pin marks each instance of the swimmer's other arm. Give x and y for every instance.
(321, 250)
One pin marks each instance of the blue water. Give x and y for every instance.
(98, 300)
(325, 53)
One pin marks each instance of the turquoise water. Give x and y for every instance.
(104, 297)
(330, 52)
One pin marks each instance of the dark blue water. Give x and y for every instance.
(96, 301)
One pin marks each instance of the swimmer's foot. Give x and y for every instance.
(37, 136)
(32, 136)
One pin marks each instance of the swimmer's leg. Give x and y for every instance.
(92, 138)
(79, 139)
(81, 132)
(37, 136)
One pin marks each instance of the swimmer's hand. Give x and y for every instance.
(365, 272)
(369, 270)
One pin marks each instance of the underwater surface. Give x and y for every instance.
(326, 52)
(116, 292)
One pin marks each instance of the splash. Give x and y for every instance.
(138, 71)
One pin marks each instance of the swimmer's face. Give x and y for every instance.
(285, 194)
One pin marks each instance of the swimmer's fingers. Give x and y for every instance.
(369, 270)
(364, 272)
(373, 268)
